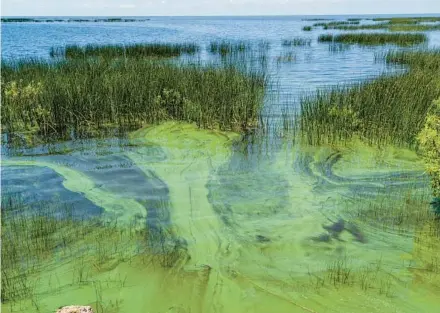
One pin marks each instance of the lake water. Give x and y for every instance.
(249, 215)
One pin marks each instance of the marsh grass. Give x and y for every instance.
(400, 39)
(298, 41)
(41, 238)
(159, 50)
(389, 109)
(408, 20)
(402, 213)
(343, 272)
(336, 24)
(427, 60)
(393, 27)
(226, 47)
(307, 28)
(82, 95)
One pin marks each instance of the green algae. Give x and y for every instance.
(225, 268)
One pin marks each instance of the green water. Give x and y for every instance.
(247, 228)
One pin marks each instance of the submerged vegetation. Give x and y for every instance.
(400, 39)
(56, 98)
(225, 47)
(48, 236)
(128, 51)
(299, 41)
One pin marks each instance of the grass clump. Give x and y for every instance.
(224, 48)
(408, 20)
(129, 51)
(307, 28)
(336, 24)
(417, 27)
(297, 42)
(74, 95)
(389, 109)
(401, 39)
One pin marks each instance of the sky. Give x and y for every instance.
(213, 7)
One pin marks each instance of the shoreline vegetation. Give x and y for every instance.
(340, 113)
(86, 92)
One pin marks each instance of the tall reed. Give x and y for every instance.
(389, 109)
(56, 98)
(401, 39)
(127, 51)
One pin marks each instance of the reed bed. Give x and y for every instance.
(58, 98)
(43, 237)
(307, 28)
(393, 27)
(298, 41)
(336, 23)
(408, 20)
(428, 60)
(225, 47)
(127, 51)
(389, 109)
(401, 39)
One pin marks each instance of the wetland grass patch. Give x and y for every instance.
(389, 109)
(159, 50)
(226, 47)
(400, 39)
(298, 41)
(54, 99)
(42, 238)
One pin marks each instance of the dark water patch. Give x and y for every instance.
(37, 185)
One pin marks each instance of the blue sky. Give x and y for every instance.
(215, 7)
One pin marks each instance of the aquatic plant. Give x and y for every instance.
(414, 28)
(336, 23)
(225, 47)
(389, 109)
(307, 28)
(326, 38)
(45, 235)
(401, 39)
(298, 41)
(429, 144)
(407, 20)
(362, 27)
(125, 51)
(427, 60)
(55, 98)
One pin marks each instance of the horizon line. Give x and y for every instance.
(229, 15)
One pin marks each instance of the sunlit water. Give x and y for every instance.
(250, 214)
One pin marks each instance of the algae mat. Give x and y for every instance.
(246, 233)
